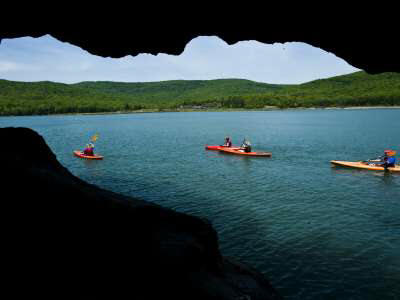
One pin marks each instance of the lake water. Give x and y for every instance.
(315, 231)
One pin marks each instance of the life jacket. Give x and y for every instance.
(88, 151)
(391, 160)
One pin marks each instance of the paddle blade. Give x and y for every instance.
(94, 138)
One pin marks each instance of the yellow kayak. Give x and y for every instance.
(365, 166)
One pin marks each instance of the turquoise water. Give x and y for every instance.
(315, 231)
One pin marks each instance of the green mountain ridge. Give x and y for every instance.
(46, 97)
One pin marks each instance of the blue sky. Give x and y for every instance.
(45, 58)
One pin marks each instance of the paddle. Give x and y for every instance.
(94, 138)
(378, 159)
(380, 162)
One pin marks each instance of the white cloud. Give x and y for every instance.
(10, 66)
(7, 66)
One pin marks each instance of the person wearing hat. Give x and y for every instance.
(389, 159)
(228, 142)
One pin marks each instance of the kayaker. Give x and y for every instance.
(389, 159)
(89, 150)
(228, 142)
(86, 150)
(246, 145)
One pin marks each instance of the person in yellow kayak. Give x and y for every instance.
(228, 142)
(246, 145)
(389, 159)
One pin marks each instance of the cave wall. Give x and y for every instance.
(66, 239)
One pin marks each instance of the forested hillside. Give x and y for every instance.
(357, 89)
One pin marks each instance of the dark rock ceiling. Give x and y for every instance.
(365, 38)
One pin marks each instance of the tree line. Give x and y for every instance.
(39, 98)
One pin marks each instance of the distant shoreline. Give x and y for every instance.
(269, 108)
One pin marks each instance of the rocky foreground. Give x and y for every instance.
(65, 238)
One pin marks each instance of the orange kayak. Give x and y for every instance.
(365, 166)
(239, 151)
(81, 155)
(219, 147)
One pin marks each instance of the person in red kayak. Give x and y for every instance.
(89, 150)
(246, 145)
(228, 142)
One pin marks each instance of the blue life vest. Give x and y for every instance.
(391, 160)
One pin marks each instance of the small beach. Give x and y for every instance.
(269, 108)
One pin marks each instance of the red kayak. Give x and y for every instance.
(239, 151)
(219, 147)
(81, 155)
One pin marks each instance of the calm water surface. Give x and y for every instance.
(315, 231)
